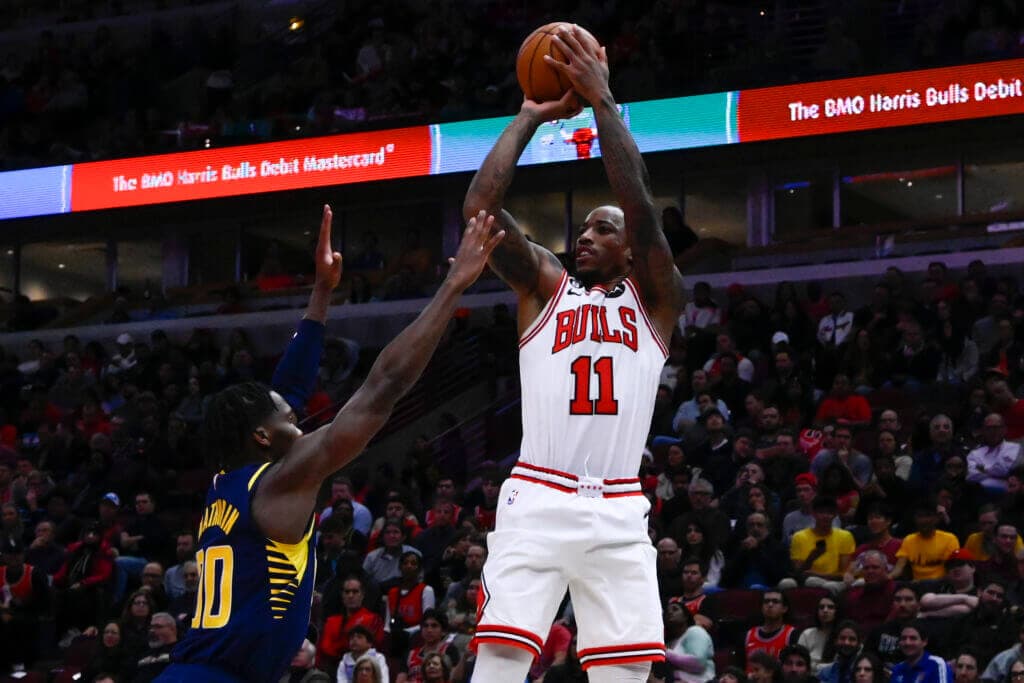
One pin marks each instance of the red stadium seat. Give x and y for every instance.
(803, 605)
(732, 613)
(81, 651)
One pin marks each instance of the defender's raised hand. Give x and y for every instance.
(328, 261)
(476, 247)
(587, 67)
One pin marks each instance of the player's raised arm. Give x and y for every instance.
(529, 269)
(653, 266)
(295, 375)
(287, 492)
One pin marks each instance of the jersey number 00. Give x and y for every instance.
(213, 600)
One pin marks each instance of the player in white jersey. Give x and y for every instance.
(591, 347)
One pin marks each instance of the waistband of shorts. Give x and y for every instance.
(572, 483)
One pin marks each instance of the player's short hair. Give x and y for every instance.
(232, 417)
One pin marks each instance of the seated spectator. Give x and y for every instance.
(692, 592)
(982, 543)
(915, 364)
(360, 644)
(918, 665)
(784, 463)
(819, 640)
(406, 603)
(880, 538)
(303, 669)
(185, 552)
(462, 611)
(870, 602)
(669, 568)
(144, 539)
(774, 634)
(436, 669)
(83, 580)
(837, 483)
(886, 487)
(675, 462)
(435, 539)
(340, 617)
(690, 411)
(999, 668)
(432, 628)
(476, 555)
(966, 667)
(395, 508)
(927, 549)
(341, 548)
(764, 668)
(1002, 563)
(744, 368)
(554, 652)
(716, 444)
(796, 665)
(382, 564)
(806, 489)
(991, 463)
(135, 617)
(847, 646)
(846, 455)
(885, 640)
(721, 471)
(989, 627)
(955, 594)
(842, 406)
(341, 489)
(822, 553)
(183, 606)
(700, 545)
(688, 647)
(928, 461)
(756, 558)
(24, 601)
(163, 636)
(45, 553)
(711, 520)
(111, 657)
(153, 583)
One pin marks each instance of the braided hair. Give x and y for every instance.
(231, 418)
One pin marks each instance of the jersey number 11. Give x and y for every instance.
(605, 403)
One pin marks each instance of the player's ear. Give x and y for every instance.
(629, 256)
(261, 436)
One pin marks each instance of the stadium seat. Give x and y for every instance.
(724, 658)
(733, 612)
(81, 651)
(803, 604)
(66, 674)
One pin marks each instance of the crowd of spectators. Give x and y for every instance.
(833, 488)
(365, 64)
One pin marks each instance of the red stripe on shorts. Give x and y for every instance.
(557, 487)
(545, 470)
(625, 659)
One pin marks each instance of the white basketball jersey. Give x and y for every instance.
(590, 366)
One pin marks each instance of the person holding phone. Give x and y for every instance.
(821, 554)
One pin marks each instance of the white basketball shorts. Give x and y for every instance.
(556, 531)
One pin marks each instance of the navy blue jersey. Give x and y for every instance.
(254, 598)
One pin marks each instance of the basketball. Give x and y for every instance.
(541, 82)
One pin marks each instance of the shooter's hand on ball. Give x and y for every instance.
(587, 67)
(564, 108)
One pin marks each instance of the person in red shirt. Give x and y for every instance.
(88, 569)
(1009, 406)
(844, 407)
(774, 634)
(334, 638)
(407, 602)
(556, 649)
(433, 630)
(869, 604)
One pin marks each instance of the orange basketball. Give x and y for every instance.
(539, 81)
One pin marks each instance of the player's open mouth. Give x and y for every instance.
(584, 252)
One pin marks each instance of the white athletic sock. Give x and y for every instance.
(501, 664)
(621, 673)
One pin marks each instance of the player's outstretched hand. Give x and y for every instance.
(328, 261)
(477, 245)
(566, 107)
(587, 67)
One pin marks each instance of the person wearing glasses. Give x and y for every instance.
(774, 635)
(1016, 674)
(918, 665)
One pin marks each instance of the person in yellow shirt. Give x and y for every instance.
(822, 553)
(982, 543)
(926, 550)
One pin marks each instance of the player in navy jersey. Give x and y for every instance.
(256, 556)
